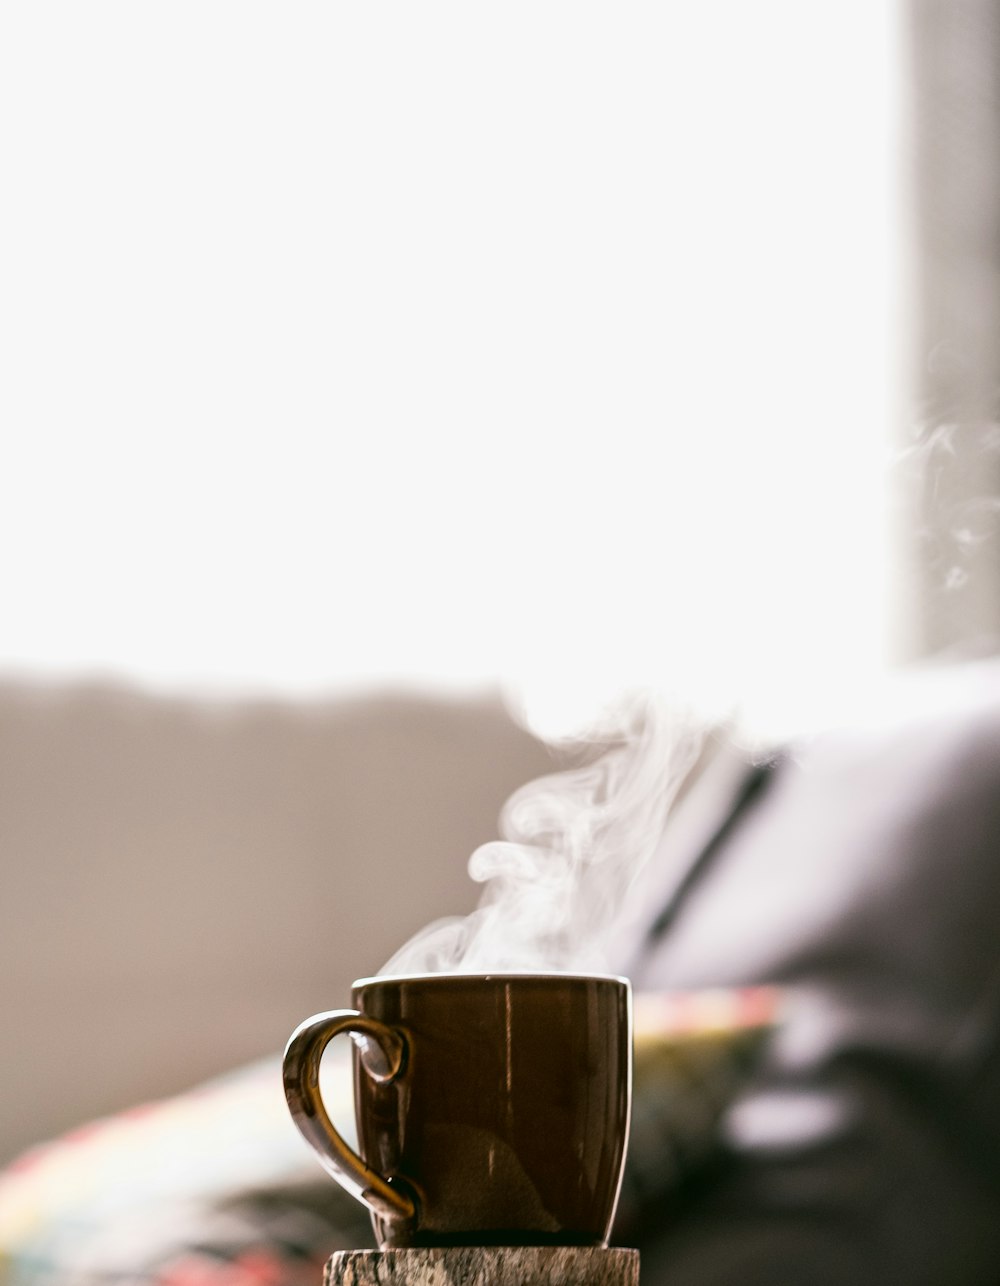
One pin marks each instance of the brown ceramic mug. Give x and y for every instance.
(492, 1109)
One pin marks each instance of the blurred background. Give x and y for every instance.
(373, 375)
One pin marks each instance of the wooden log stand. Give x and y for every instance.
(485, 1266)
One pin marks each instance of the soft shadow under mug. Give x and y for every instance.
(492, 1109)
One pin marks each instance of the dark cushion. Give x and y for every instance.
(864, 880)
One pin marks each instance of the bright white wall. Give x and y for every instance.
(444, 341)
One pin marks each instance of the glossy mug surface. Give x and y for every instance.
(492, 1109)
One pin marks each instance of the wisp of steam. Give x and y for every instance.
(573, 844)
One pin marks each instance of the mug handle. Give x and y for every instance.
(301, 1077)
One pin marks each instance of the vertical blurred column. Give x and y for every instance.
(954, 529)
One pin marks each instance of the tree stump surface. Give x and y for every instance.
(485, 1266)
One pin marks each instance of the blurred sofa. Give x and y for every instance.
(854, 871)
(183, 881)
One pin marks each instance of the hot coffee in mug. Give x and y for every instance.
(492, 1109)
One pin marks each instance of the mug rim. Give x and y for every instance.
(493, 975)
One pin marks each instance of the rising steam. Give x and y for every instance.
(573, 843)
